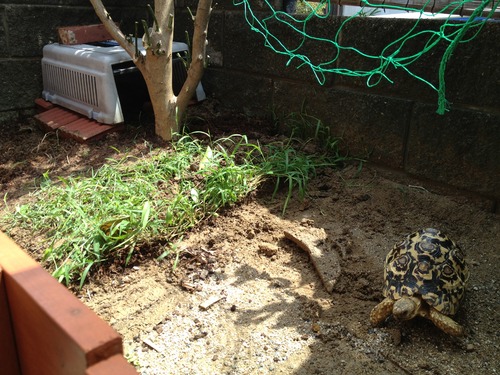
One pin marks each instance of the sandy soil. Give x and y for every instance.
(270, 313)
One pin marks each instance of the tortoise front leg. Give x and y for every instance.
(445, 323)
(381, 311)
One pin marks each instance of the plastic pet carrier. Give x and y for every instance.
(100, 80)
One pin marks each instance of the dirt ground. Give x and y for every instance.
(270, 313)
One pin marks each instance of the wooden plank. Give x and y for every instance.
(8, 354)
(83, 34)
(43, 105)
(83, 131)
(56, 117)
(55, 333)
(74, 125)
(113, 365)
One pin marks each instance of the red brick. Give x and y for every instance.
(83, 34)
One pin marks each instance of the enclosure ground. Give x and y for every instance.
(270, 312)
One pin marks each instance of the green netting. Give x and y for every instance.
(395, 54)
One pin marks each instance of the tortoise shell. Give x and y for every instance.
(429, 264)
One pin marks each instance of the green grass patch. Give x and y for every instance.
(107, 214)
(292, 168)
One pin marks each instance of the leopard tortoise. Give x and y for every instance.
(424, 275)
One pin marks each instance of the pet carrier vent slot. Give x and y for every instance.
(71, 84)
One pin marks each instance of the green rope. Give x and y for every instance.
(392, 55)
(442, 102)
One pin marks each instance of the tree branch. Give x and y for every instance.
(113, 28)
(199, 54)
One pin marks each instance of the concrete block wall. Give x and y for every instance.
(396, 124)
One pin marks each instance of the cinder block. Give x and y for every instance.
(459, 148)
(249, 94)
(370, 126)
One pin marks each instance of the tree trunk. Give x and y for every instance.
(156, 65)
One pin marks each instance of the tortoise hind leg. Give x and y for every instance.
(381, 311)
(445, 323)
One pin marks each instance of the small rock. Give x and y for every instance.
(199, 335)
(268, 249)
(470, 348)
(277, 284)
(205, 305)
(203, 274)
(425, 366)
(305, 222)
(395, 336)
(315, 327)
(363, 197)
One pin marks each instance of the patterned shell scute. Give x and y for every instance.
(429, 264)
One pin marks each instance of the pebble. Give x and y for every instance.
(395, 336)
(470, 348)
(268, 249)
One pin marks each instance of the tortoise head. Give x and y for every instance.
(406, 307)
